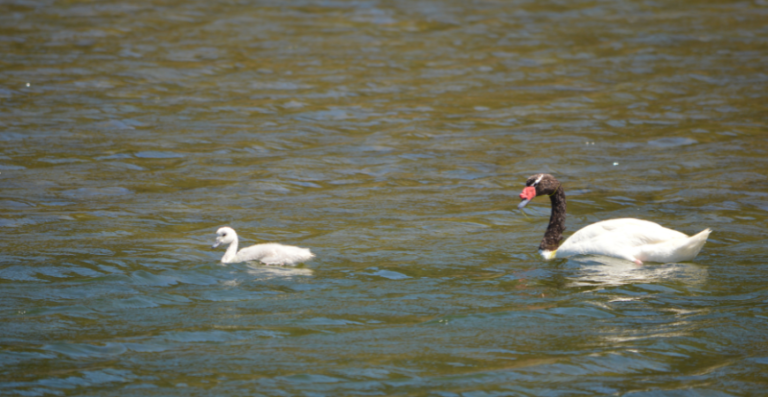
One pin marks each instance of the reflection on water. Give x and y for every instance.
(605, 271)
(391, 138)
(266, 272)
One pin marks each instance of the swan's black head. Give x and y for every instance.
(538, 185)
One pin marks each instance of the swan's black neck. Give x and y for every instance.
(556, 227)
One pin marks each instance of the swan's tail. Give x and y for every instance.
(695, 243)
(677, 250)
(690, 247)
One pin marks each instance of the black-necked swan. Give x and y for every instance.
(268, 254)
(626, 238)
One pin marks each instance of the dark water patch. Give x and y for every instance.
(51, 385)
(18, 357)
(86, 350)
(225, 295)
(671, 142)
(193, 278)
(217, 336)
(158, 155)
(389, 274)
(145, 347)
(14, 204)
(96, 192)
(108, 305)
(146, 278)
(329, 322)
(78, 311)
(117, 125)
(19, 273)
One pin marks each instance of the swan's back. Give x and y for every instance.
(637, 231)
(274, 254)
(633, 239)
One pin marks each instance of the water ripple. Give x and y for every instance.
(393, 140)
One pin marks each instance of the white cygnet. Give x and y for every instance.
(268, 254)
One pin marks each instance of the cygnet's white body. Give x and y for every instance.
(268, 254)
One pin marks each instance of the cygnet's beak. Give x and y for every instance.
(216, 244)
(527, 195)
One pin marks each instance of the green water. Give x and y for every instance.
(392, 139)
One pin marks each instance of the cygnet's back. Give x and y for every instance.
(274, 254)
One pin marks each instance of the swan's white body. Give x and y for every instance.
(626, 238)
(268, 254)
(631, 239)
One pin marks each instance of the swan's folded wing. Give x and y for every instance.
(636, 230)
(617, 238)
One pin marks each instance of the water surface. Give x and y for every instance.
(391, 138)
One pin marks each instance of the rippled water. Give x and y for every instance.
(392, 138)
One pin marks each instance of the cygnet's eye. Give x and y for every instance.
(224, 235)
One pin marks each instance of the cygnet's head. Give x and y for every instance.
(224, 235)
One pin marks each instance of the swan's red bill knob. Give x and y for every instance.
(527, 195)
